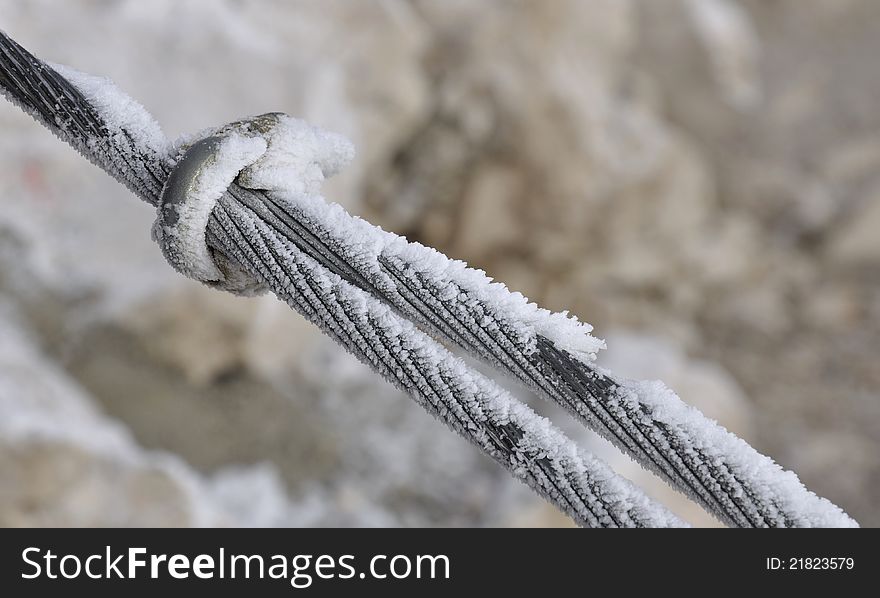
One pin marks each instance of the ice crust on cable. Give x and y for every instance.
(443, 384)
(692, 447)
(780, 491)
(135, 149)
(120, 112)
(362, 245)
(189, 197)
(269, 151)
(304, 156)
(452, 280)
(300, 158)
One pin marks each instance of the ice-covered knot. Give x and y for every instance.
(271, 152)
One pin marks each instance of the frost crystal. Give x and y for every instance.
(529, 446)
(121, 113)
(368, 289)
(201, 177)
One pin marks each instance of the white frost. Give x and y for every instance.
(780, 489)
(290, 159)
(300, 157)
(119, 110)
(133, 150)
(182, 235)
(364, 243)
(528, 445)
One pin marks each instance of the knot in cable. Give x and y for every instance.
(272, 153)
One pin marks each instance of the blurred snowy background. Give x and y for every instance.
(698, 179)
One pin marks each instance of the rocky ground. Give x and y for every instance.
(700, 179)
